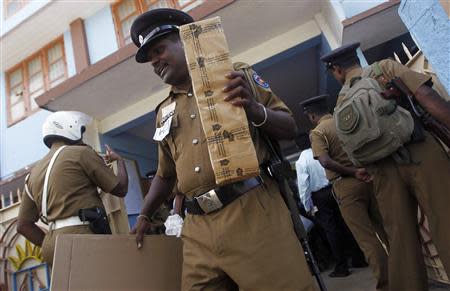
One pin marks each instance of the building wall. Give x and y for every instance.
(28, 10)
(429, 24)
(351, 8)
(68, 50)
(21, 144)
(100, 35)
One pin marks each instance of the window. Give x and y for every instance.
(12, 6)
(126, 11)
(29, 79)
(11, 189)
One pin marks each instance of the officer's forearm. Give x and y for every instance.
(434, 104)
(278, 124)
(31, 231)
(159, 191)
(330, 164)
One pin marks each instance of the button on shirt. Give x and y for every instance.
(310, 177)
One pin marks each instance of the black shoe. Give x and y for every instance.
(339, 273)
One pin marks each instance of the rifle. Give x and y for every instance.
(277, 168)
(280, 170)
(428, 121)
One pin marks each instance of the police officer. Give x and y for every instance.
(249, 242)
(352, 187)
(65, 181)
(401, 187)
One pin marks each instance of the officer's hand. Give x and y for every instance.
(238, 91)
(111, 155)
(363, 175)
(391, 93)
(140, 229)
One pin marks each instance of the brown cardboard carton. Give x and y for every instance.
(112, 262)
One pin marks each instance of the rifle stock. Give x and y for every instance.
(279, 170)
(429, 122)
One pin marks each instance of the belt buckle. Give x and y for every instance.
(209, 201)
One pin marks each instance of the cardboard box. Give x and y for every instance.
(113, 262)
(230, 145)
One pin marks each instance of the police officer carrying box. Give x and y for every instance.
(409, 167)
(61, 189)
(352, 187)
(249, 240)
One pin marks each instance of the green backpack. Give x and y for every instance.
(369, 126)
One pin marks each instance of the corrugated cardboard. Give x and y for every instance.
(230, 146)
(112, 262)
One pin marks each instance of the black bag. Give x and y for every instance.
(98, 221)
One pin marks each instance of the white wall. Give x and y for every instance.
(100, 35)
(68, 50)
(21, 144)
(429, 25)
(29, 9)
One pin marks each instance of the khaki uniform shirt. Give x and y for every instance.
(324, 140)
(412, 79)
(72, 185)
(183, 153)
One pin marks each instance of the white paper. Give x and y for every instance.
(174, 225)
(166, 120)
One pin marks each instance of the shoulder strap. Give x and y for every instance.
(367, 71)
(26, 187)
(44, 191)
(377, 69)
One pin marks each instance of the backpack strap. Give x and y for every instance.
(367, 72)
(44, 191)
(378, 75)
(377, 69)
(27, 191)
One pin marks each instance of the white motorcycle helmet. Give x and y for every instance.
(65, 125)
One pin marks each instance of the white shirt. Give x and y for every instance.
(310, 177)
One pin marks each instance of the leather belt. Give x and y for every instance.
(65, 222)
(220, 197)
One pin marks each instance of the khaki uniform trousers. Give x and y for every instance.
(360, 212)
(250, 244)
(399, 188)
(48, 245)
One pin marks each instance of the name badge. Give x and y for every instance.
(166, 121)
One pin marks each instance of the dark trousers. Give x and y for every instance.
(329, 218)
